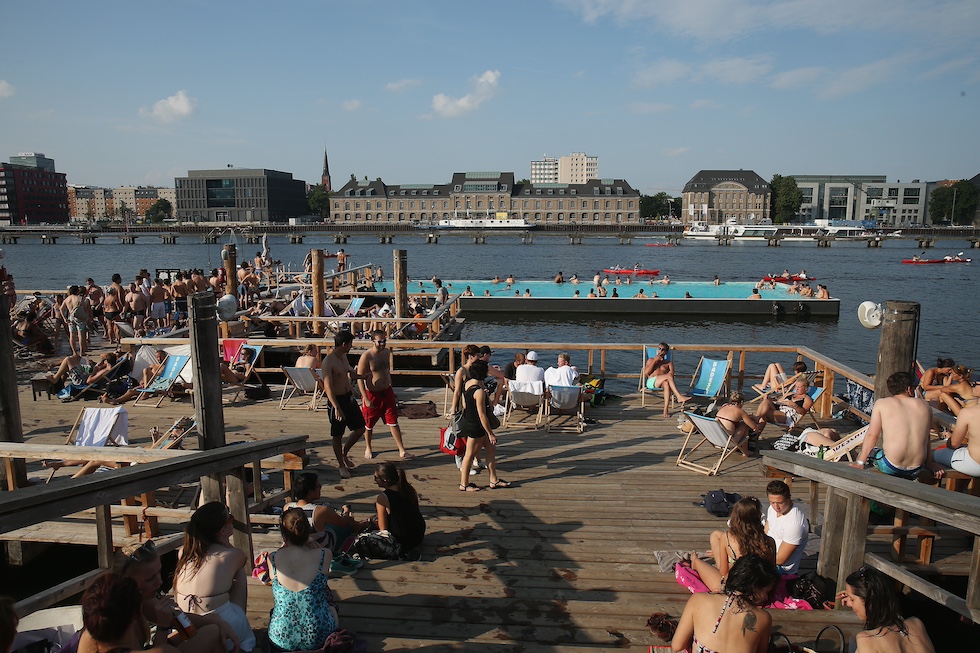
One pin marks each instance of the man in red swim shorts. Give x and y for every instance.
(374, 374)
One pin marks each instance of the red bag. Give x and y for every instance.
(450, 442)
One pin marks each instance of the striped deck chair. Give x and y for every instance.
(173, 436)
(846, 445)
(301, 382)
(165, 379)
(712, 433)
(711, 378)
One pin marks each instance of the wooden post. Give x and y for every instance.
(855, 540)
(899, 337)
(103, 524)
(832, 534)
(400, 257)
(230, 257)
(11, 427)
(238, 505)
(205, 362)
(319, 296)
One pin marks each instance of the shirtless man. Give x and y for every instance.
(341, 260)
(136, 303)
(96, 297)
(374, 377)
(964, 459)
(198, 282)
(343, 411)
(158, 302)
(180, 291)
(902, 421)
(659, 373)
(79, 312)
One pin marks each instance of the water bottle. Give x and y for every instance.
(820, 452)
(182, 624)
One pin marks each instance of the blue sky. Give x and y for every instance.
(136, 93)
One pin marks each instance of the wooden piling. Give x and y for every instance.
(400, 257)
(897, 347)
(206, 365)
(230, 256)
(319, 292)
(11, 427)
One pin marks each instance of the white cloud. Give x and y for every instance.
(659, 73)
(675, 151)
(798, 77)
(705, 104)
(949, 66)
(649, 107)
(6, 89)
(351, 105)
(402, 85)
(485, 87)
(170, 109)
(860, 78)
(737, 70)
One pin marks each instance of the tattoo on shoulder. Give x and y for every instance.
(748, 623)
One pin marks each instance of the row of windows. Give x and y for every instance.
(525, 204)
(534, 217)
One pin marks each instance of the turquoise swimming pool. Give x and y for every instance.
(549, 289)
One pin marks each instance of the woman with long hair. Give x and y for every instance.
(870, 594)
(329, 529)
(745, 536)
(731, 621)
(398, 506)
(477, 428)
(210, 575)
(303, 615)
(142, 564)
(111, 618)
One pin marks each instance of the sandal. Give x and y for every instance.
(499, 483)
(472, 487)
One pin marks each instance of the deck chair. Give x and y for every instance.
(165, 379)
(125, 329)
(710, 379)
(122, 367)
(713, 433)
(524, 395)
(565, 400)
(785, 382)
(450, 381)
(98, 427)
(645, 385)
(174, 436)
(301, 382)
(845, 446)
(231, 348)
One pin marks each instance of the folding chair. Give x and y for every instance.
(174, 436)
(300, 382)
(525, 395)
(165, 379)
(565, 400)
(121, 368)
(231, 348)
(710, 378)
(714, 434)
(649, 351)
(785, 382)
(846, 445)
(98, 427)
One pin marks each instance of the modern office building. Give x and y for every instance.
(483, 194)
(574, 168)
(239, 195)
(862, 198)
(717, 196)
(33, 160)
(31, 195)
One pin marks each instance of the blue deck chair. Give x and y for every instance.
(646, 385)
(710, 378)
(164, 381)
(713, 433)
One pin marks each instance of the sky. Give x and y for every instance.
(411, 91)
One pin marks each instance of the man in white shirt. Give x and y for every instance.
(564, 374)
(788, 526)
(529, 371)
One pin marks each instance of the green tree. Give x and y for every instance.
(319, 201)
(941, 203)
(659, 205)
(160, 210)
(785, 198)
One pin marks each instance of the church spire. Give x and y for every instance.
(325, 177)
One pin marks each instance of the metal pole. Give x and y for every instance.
(206, 366)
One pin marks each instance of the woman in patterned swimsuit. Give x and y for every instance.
(740, 626)
(303, 615)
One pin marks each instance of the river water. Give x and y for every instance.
(852, 271)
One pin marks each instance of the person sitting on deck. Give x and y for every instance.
(871, 595)
(958, 391)
(397, 507)
(659, 373)
(746, 535)
(330, 528)
(737, 422)
(775, 378)
(902, 421)
(309, 358)
(141, 562)
(787, 526)
(732, 620)
(210, 578)
(111, 616)
(965, 459)
(788, 410)
(529, 371)
(564, 374)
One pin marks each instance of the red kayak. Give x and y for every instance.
(790, 280)
(632, 271)
(930, 261)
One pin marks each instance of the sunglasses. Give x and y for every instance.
(144, 553)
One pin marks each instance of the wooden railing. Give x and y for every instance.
(843, 542)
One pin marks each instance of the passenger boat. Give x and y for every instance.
(931, 261)
(485, 221)
(651, 273)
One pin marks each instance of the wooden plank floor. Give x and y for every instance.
(562, 561)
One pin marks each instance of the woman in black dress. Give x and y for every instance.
(477, 427)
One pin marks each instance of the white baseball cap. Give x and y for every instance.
(532, 356)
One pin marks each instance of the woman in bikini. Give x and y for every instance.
(737, 422)
(936, 379)
(871, 595)
(958, 390)
(786, 411)
(210, 575)
(659, 373)
(745, 535)
(731, 621)
(111, 616)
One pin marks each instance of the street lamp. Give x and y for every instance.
(952, 212)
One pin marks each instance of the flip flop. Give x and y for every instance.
(499, 484)
(472, 487)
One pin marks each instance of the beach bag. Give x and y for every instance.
(257, 392)
(689, 579)
(78, 314)
(377, 544)
(719, 504)
(451, 442)
(813, 588)
(786, 442)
